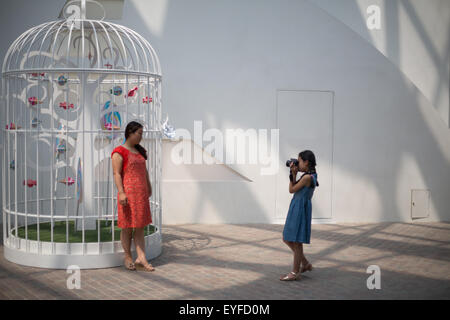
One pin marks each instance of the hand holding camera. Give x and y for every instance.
(293, 165)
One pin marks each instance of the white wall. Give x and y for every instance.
(224, 61)
(414, 36)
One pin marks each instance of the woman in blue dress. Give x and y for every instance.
(297, 229)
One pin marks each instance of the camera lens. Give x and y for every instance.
(288, 163)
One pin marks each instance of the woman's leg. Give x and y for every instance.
(140, 249)
(303, 258)
(298, 253)
(291, 245)
(140, 245)
(125, 237)
(296, 266)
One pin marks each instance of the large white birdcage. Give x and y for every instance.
(69, 89)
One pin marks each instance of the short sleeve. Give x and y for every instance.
(123, 153)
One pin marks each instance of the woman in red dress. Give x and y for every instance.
(134, 190)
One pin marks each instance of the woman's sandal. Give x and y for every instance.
(308, 267)
(288, 277)
(129, 265)
(141, 267)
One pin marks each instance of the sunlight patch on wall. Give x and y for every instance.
(153, 14)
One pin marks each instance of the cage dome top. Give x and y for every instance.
(79, 44)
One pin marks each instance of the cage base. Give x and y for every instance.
(107, 255)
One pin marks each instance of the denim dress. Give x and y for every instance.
(298, 221)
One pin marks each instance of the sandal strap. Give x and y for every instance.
(286, 277)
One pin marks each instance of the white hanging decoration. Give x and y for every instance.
(168, 130)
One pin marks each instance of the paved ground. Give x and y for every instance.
(245, 262)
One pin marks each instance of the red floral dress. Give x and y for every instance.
(136, 214)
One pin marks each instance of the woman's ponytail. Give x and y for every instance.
(309, 155)
(141, 150)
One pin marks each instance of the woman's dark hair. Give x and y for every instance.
(132, 127)
(309, 155)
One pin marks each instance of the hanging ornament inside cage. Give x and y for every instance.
(108, 104)
(109, 125)
(36, 76)
(12, 165)
(65, 105)
(60, 148)
(132, 92)
(35, 122)
(117, 91)
(147, 100)
(111, 121)
(12, 126)
(62, 80)
(34, 101)
(68, 181)
(30, 183)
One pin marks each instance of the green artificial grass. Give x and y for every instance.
(59, 232)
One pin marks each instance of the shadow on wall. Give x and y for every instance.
(197, 27)
(438, 63)
(398, 18)
(171, 48)
(177, 45)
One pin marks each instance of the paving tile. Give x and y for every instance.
(245, 262)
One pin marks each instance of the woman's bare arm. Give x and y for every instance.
(149, 184)
(305, 181)
(117, 161)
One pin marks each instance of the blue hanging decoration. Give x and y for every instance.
(117, 91)
(62, 80)
(60, 144)
(35, 122)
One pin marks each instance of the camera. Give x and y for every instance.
(288, 164)
(292, 160)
